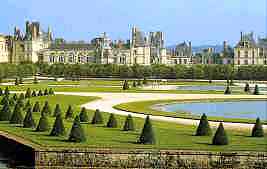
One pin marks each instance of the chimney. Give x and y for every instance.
(241, 35)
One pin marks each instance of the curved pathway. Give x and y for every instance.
(108, 100)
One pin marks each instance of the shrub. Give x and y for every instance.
(40, 93)
(256, 90)
(220, 137)
(51, 92)
(203, 127)
(27, 105)
(34, 93)
(46, 109)
(57, 110)
(28, 93)
(58, 127)
(247, 89)
(125, 85)
(43, 124)
(36, 107)
(46, 92)
(16, 117)
(69, 113)
(83, 115)
(147, 135)
(77, 132)
(257, 130)
(128, 124)
(97, 119)
(5, 112)
(112, 122)
(227, 90)
(7, 91)
(28, 121)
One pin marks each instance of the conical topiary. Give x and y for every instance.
(16, 81)
(28, 121)
(20, 80)
(125, 85)
(128, 124)
(147, 135)
(21, 96)
(20, 102)
(83, 115)
(58, 127)
(51, 92)
(227, 90)
(34, 93)
(256, 90)
(69, 113)
(28, 93)
(112, 121)
(40, 93)
(43, 124)
(16, 117)
(77, 132)
(7, 91)
(4, 100)
(203, 127)
(5, 112)
(57, 110)
(134, 84)
(1, 92)
(15, 97)
(46, 92)
(257, 130)
(36, 107)
(220, 137)
(27, 105)
(46, 109)
(97, 119)
(247, 89)
(11, 101)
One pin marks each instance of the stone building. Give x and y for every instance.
(249, 52)
(227, 55)
(4, 49)
(181, 54)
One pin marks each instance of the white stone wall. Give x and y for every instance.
(4, 53)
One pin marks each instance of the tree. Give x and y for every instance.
(5, 112)
(20, 80)
(36, 107)
(43, 124)
(28, 121)
(7, 91)
(125, 85)
(46, 92)
(4, 100)
(203, 127)
(220, 137)
(128, 124)
(46, 109)
(16, 117)
(35, 80)
(147, 135)
(58, 127)
(15, 97)
(40, 93)
(83, 115)
(69, 113)
(112, 122)
(256, 90)
(227, 90)
(257, 130)
(139, 83)
(21, 96)
(1, 92)
(97, 118)
(51, 91)
(11, 101)
(57, 110)
(77, 132)
(34, 93)
(28, 93)
(134, 84)
(28, 105)
(247, 89)
(16, 81)
(20, 101)
(145, 81)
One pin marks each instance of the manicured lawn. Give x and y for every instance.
(146, 107)
(168, 135)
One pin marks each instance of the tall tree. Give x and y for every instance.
(46, 109)
(7, 91)
(112, 121)
(58, 127)
(97, 118)
(128, 124)
(83, 115)
(203, 127)
(125, 85)
(16, 117)
(257, 130)
(220, 137)
(40, 93)
(247, 89)
(77, 132)
(5, 112)
(36, 107)
(69, 113)
(147, 135)
(256, 90)
(57, 110)
(28, 121)
(43, 124)
(28, 93)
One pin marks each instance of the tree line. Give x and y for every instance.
(209, 72)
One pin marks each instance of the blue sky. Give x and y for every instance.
(201, 21)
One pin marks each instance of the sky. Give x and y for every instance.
(204, 22)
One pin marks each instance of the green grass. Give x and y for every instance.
(146, 107)
(168, 135)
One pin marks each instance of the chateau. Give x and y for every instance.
(36, 45)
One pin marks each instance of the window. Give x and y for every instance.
(246, 54)
(246, 62)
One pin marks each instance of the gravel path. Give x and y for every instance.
(108, 100)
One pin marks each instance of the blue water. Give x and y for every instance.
(228, 109)
(217, 88)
